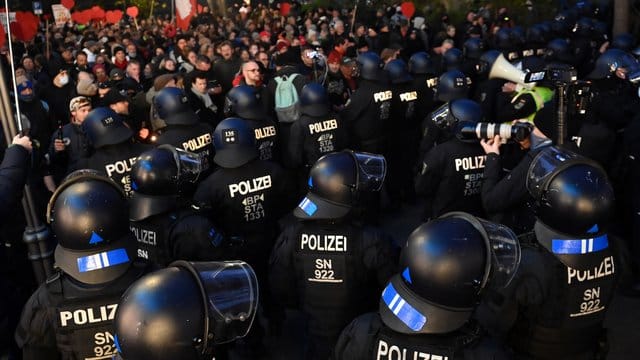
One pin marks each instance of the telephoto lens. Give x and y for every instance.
(516, 132)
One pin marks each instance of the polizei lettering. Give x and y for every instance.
(89, 315)
(329, 243)
(120, 167)
(265, 132)
(409, 96)
(197, 142)
(470, 162)
(399, 353)
(606, 268)
(382, 96)
(250, 186)
(323, 126)
(144, 236)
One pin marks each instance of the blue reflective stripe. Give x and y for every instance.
(403, 310)
(308, 206)
(102, 260)
(579, 246)
(117, 343)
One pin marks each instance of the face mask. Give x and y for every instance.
(64, 80)
(132, 54)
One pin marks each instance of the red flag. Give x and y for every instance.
(25, 27)
(185, 9)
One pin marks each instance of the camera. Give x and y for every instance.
(516, 132)
(556, 75)
(212, 84)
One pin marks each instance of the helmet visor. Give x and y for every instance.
(231, 294)
(372, 169)
(190, 165)
(503, 256)
(441, 117)
(505, 253)
(544, 166)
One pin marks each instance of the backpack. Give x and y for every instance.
(287, 104)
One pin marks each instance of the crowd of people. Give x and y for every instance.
(255, 157)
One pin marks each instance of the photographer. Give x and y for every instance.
(505, 198)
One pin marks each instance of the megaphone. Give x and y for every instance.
(503, 69)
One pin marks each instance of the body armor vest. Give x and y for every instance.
(568, 323)
(333, 283)
(389, 344)
(154, 237)
(83, 318)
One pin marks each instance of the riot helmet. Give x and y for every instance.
(518, 36)
(172, 106)
(473, 48)
(398, 72)
(558, 50)
(625, 42)
(314, 100)
(572, 193)
(486, 62)
(446, 263)
(160, 176)
(245, 102)
(88, 213)
(612, 60)
(369, 66)
(336, 181)
(583, 27)
(535, 34)
(235, 143)
(182, 311)
(456, 114)
(452, 85)
(452, 59)
(420, 63)
(104, 127)
(503, 39)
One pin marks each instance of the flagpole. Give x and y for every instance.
(36, 235)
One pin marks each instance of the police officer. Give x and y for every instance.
(319, 131)
(183, 311)
(487, 89)
(71, 315)
(424, 80)
(425, 311)
(114, 149)
(161, 217)
(451, 175)
(559, 295)
(451, 85)
(246, 196)
(367, 114)
(326, 263)
(183, 130)
(452, 59)
(245, 102)
(402, 134)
